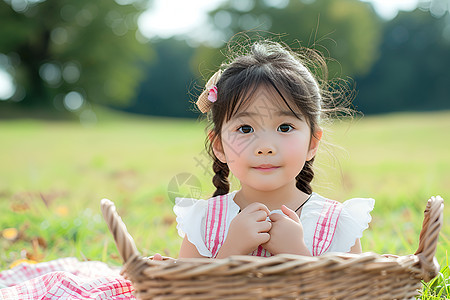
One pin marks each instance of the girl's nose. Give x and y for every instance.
(265, 151)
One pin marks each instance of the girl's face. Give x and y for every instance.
(264, 144)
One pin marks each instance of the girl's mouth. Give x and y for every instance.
(266, 167)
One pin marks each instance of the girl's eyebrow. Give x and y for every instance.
(287, 113)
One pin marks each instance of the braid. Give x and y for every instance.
(305, 177)
(220, 180)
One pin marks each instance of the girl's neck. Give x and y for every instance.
(288, 195)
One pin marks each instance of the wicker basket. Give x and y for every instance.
(331, 276)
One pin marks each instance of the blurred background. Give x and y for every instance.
(150, 57)
(96, 100)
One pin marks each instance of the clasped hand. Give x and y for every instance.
(280, 234)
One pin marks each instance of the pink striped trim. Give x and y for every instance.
(260, 251)
(320, 229)
(265, 253)
(216, 223)
(212, 224)
(260, 248)
(326, 227)
(209, 223)
(213, 229)
(217, 240)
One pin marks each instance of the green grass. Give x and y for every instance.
(54, 173)
(439, 287)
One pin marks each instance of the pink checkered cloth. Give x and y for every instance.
(65, 278)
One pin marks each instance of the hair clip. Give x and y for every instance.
(212, 95)
(209, 95)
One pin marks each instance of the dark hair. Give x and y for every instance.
(271, 64)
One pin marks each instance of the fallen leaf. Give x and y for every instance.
(169, 220)
(10, 233)
(22, 261)
(159, 199)
(62, 211)
(19, 206)
(39, 241)
(114, 256)
(36, 256)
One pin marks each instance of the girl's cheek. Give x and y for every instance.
(236, 144)
(296, 144)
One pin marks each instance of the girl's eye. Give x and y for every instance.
(285, 128)
(245, 129)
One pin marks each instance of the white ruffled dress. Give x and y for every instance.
(329, 226)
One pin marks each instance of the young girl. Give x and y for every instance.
(266, 109)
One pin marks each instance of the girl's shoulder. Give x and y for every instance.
(355, 204)
(355, 210)
(344, 222)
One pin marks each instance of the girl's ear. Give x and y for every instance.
(217, 146)
(314, 144)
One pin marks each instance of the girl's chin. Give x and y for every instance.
(265, 186)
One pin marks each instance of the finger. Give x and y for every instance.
(263, 237)
(259, 215)
(157, 256)
(257, 206)
(276, 217)
(264, 226)
(290, 213)
(389, 255)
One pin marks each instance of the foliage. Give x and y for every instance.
(439, 287)
(348, 31)
(169, 86)
(84, 50)
(412, 72)
(437, 8)
(66, 53)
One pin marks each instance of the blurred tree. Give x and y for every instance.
(169, 82)
(437, 8)
(70, 52)
(346, 30)
(412, 71)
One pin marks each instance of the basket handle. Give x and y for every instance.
(124, 242)
(432, 223)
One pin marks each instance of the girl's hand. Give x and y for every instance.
(286, 234)
(247, 231)
(157, 256)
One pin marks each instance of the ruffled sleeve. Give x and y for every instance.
(353, 220)
(191, 222)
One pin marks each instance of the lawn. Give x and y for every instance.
(53, 175)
